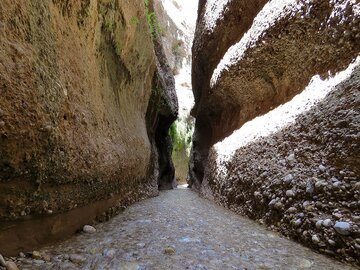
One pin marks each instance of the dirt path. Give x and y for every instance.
(179, 230)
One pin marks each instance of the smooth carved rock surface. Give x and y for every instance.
(180, 230)
(267, 70)
(76, 132)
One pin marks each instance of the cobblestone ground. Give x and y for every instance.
(179, 230)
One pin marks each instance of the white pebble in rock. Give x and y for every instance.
(292, 210)
(290, 193)
(89, 229)
(297, 222)
(76, 258)
(291, 158)
(38, 261)
(309, 188)
(288, 178)
(342, 228)
(331, 242)
(315, 239)
(272, 202)
(322, 168)
(11, 266)
(2, 261)
(319, 223)
(110, 253)
(327, 223)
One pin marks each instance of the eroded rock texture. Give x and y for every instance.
(77, 85)
(304, 180)
(310, 38)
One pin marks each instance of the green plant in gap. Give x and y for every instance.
(134, 20)
(151, 19)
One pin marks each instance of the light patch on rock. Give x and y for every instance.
(214, 11)
(268, 16)
(280, 117)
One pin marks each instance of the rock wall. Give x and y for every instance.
(303, 180)
(77, 139)
(239, 74)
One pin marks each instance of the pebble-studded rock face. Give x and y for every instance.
(263, 61)
(303, 180)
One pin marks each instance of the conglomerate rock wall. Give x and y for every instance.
(77, 141)
(303, 180)
(281, 45)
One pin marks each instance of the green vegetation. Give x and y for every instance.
(134, 20)
(181, 135)
(109, 25)
(117, 47)
(155, 27)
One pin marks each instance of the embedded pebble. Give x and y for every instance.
(2, 261)
(318, 224)
(288, 178)
(322, 168)
(11, 266)
(36, 255)
(169, 251)
(327, 223)
(342, 228)
(89, 229)
(315, 239)
(110, 253)
(76, 258)
(290, 193)
(38, 261)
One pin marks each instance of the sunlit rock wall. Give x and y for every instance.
(295, 172)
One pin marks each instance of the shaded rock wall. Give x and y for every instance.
(163, 110)
(273, 67)
(76, 78)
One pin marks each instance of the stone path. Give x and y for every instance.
(179, 230)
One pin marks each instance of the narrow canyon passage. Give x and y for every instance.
(107, 105)
(179, 230)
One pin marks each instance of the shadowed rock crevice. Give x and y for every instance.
(162, 111)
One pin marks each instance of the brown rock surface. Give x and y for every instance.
(307, 196)
(75, 84)
(278, 66)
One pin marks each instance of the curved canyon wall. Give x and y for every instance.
(81, 130)
(303, 180)
(240, 73)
